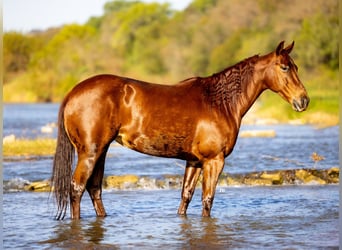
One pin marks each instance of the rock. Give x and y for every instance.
(147, 183)
(289, 177)
(257, 133)
(307, 178)
(276, 177)
(334, 171)
(48, 128)
(39, 186)
(160, 184)
(121, 182)
(222, 182)
(232, 181)
(173, 181)
(8, 139)
(257, 182)
(334, 174)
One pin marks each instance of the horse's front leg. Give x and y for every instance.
(211, 171)
(192, 172)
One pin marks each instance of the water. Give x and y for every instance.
(26, 121)
(296, 217)
(283, 217)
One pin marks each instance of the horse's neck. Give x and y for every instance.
(254, 88)
(235, 89)
(255, 84)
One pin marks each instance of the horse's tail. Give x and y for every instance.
(62, 168)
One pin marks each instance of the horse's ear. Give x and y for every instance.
(289, 48)
(280, 48)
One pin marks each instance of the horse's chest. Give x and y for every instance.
(212, 138)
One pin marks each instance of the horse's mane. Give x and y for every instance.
(225, 88)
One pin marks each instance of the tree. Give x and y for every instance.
(138, 34)
(318, 41)
(18, 49)
(117, 6)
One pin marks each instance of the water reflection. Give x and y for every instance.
(78, 235)
(200, 233)
(305, 217)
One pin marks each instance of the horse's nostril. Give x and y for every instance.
(305, 102)
(301, 104)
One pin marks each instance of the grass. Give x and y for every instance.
(26, 147)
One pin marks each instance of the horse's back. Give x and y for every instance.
(97, 85)
(106, 85)
(151, 118)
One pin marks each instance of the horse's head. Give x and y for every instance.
(283, 79)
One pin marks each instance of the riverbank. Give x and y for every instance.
(131, 182)
(14, 147)
(272, 116)
(32, 148)
(27, 148)
(17, 151)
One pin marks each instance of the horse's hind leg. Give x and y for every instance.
(81, 175)
(94, 185)
(87, 158)
(83, 171)
(192, 172)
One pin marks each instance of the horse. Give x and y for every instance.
(196, 120)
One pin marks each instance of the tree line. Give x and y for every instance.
(153, 42)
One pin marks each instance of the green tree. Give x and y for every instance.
(64, 55)
(202, 5)
(224, 54)
(17, 49)
(138, 35)
(117, 6)
(150, 41)
(318, 41)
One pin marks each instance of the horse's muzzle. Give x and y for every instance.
(300, 104)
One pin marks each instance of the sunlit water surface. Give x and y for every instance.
(277, 217)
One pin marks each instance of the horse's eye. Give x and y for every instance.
(284, 67)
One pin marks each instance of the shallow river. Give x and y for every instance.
(282, 217)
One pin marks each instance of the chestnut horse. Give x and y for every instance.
(196, 120)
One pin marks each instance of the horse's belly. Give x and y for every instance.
(162, 145)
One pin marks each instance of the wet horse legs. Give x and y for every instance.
(94, 185)
(88, 175)
(82, 172)
(211, 172)
(192, 172)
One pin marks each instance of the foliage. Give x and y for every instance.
(318, 41)
(153, 42)
(138, 35)
(202, 5)
(17, 50)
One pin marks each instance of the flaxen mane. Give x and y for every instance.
(225, 88)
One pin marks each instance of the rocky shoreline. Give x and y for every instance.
(264, 178)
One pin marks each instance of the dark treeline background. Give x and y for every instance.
(152, 42)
